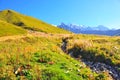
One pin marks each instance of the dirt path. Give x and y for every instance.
(33, 33)
(11, 37)
(42, 34)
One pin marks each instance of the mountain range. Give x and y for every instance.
(82, 29)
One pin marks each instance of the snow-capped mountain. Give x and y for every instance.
(100, 29)
(82, 27)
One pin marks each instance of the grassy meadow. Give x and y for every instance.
(7, 29)
(95, 48)
(43, 59)
(30, 49)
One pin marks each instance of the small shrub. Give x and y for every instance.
(100, 77)
(19, 24)
(118, 41)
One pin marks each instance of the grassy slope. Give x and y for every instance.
(7, 29)
(29, 22)
(45, 59)
(44, 56)
(96, 48)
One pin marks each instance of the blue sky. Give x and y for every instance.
(82, 12)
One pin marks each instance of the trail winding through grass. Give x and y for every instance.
(34, 34)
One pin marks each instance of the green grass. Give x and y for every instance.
(104, 49)
(41, 57)
(7, 29)
(45, 59)
(28, 22)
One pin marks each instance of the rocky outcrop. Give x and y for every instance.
(102, 67)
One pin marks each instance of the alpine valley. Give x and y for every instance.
(31, 49)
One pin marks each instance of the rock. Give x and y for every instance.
(51, 62)
(102, 67)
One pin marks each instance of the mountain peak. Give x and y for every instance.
(102, 27)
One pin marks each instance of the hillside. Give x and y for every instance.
(7, 29)
(41, 58)
(27, 22)
(33, 50)
(92, 46)
(101, 53)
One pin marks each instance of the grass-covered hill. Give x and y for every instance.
(36, 54)
(41, 58)
(7, 29)
(27, 22)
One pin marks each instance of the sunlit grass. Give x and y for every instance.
(38, 56)
(45, 59)
(93, 46)
(7, 29)
(27, 22)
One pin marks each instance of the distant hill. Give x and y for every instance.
(81, 29)
(28, 22)
(7, 29)
(108, 32)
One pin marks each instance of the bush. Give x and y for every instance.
(100, 77)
